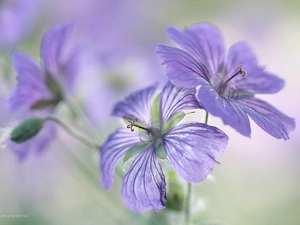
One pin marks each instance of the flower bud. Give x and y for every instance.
(27, 129)
(175, 195)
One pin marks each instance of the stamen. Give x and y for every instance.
(132, 124)
(240, 71)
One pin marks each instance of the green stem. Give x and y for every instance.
(73, 133)
(82, 118)
(189, 192)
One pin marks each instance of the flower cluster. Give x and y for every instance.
(202, 77)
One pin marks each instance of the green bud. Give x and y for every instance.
(175, 195)
(27, 129)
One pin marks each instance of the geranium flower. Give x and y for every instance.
(41, 87)
(153, 132)
(227, 84)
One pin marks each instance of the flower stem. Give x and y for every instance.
(189, 192)
(82, 118)
(73, 133)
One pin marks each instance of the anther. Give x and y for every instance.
(132, 124)
(240, 71)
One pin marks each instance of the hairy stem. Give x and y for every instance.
(82, 118)
(77, 136)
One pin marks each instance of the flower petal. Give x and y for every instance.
(192, 148)
(31, 85)
(227, 109)
(137, 105)
(181, 68)
(268, 118)
(144, 185)
(204, 41)
(175, 99)
(113, 150)
(257, 80)
(55, 46)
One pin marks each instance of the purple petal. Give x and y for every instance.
(181, 68)
(136, 105)
(175, 99)
(55, 48)
(113, 150)
(45, 137)
(192, 149)
(227, 109)
(204, 41)
(72, 67)
(31, 85)
(268, 118)
(144, 185)
(257, 80)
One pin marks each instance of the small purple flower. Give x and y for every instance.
(153, 132)
(227, 84)
(39, 87)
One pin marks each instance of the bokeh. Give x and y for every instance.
(258, 179)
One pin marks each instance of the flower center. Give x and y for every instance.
(152, 132)
(225, 88)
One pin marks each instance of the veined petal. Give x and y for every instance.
(181, 68)
(136, 105)
(175, 99)
(144, 185)
(268, 118)
(227, 109)
(113, 150)
(257, 80)
(54, 47)
(192, 148)
(204, 41)
(31, 85)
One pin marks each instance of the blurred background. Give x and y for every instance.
(258, 180)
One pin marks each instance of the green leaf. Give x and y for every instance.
(155, 110)
(134, 151)
(161, 153)
(173, 121)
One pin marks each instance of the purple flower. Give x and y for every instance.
(39, 85)
(39, 88)
(153, 132)
(227, 84)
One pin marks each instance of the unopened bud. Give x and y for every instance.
(175, 195)
(27, 129)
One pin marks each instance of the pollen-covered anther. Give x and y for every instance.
(132, 124)
(241, 71)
